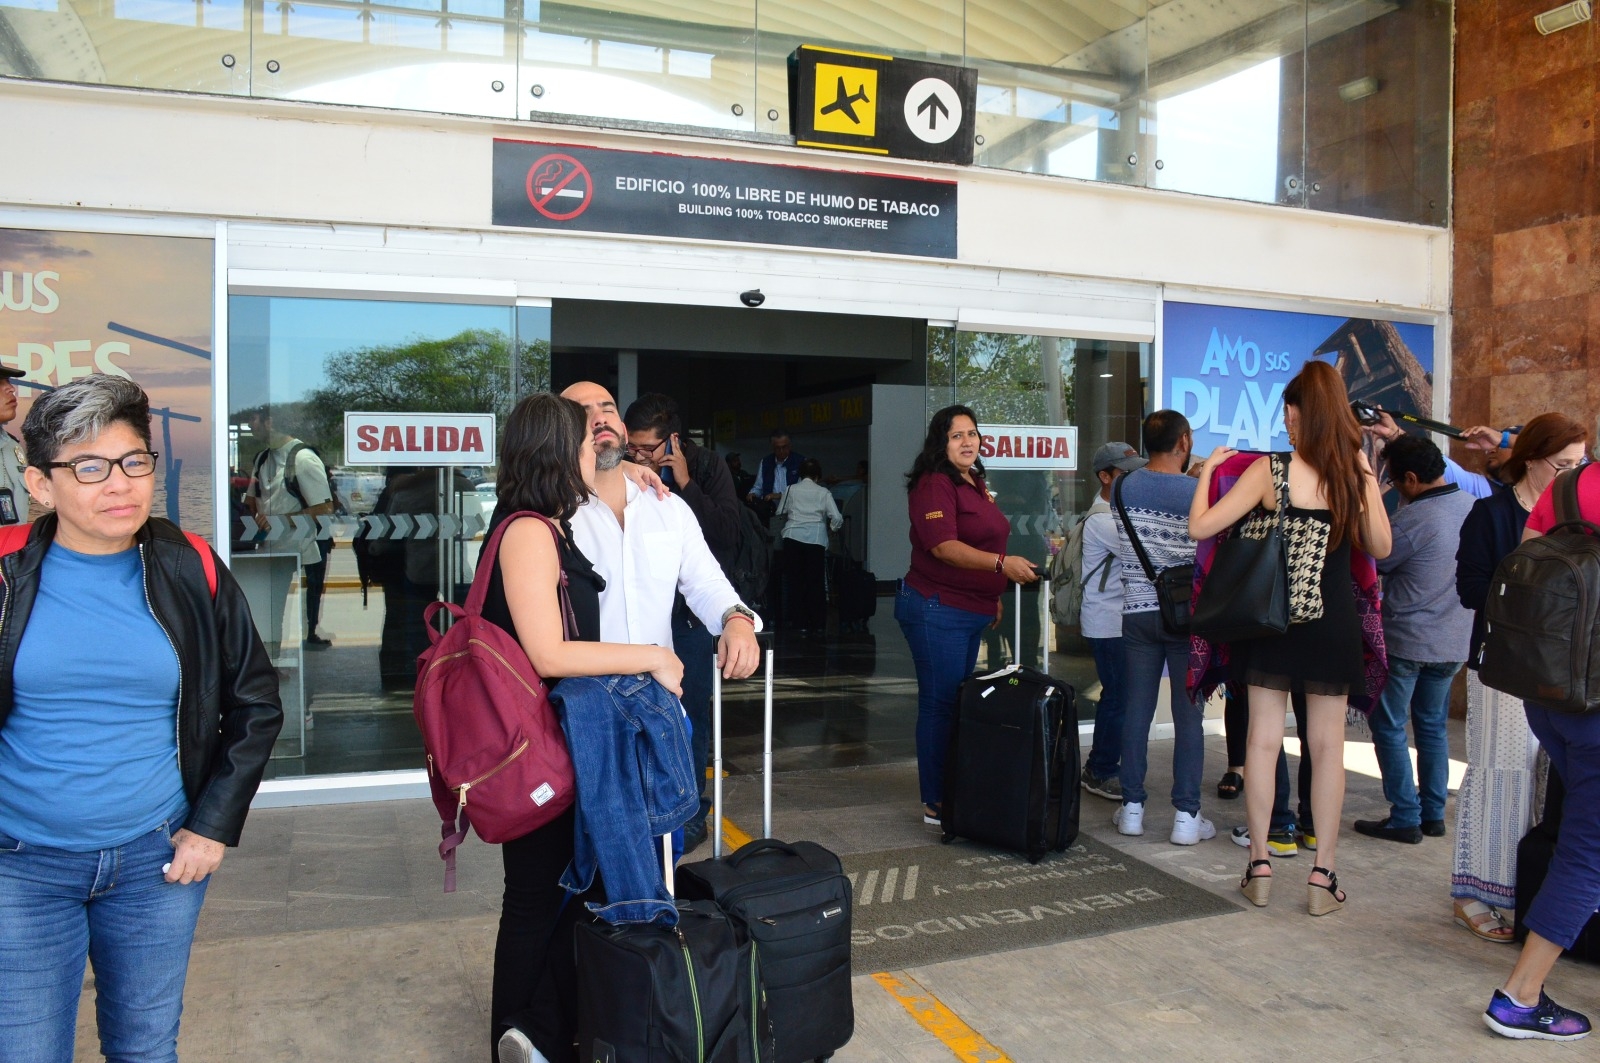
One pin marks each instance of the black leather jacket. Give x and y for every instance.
(228, 708)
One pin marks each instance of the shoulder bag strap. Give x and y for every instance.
(1279, 464)
(1565, 496)
(1133, 536)
(490, 555)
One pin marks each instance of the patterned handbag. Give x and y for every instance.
(1305, 541)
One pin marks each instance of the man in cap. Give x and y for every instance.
(13, 491)
(1101, 619)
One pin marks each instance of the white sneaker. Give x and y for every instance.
(1187, 829)
(1129, 818)
(516, 1048)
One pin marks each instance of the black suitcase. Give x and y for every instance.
(688, 994)
(793, 901)
(1012, 774)
(1533, 863)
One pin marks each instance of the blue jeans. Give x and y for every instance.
(1146, 647)
(1571, 891)
(1106, 752)
(113, 908)
(1422, 691)
(630, 755)
(944, 648)
(694, 645)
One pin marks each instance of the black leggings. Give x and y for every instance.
(535, 974)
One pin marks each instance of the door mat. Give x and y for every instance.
(946, 902)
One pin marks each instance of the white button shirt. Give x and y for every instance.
(660, 552)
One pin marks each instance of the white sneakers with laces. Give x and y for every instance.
(1190, 828)
(1129, 818)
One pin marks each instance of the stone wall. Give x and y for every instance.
(1526, 316)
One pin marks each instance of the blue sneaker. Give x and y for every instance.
(1547, 1021)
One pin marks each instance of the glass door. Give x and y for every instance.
(339, 558)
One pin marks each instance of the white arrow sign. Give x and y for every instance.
(933, 110)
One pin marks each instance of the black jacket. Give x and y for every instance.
(228, 708)
(1492, 530)
(709, 493)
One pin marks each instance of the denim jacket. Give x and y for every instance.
(630, 754)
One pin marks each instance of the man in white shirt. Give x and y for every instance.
(289, 480)
(648, 549)
(1101, 619)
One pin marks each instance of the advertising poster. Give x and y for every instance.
(1225, 368)
(72, 304)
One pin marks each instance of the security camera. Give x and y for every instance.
(752, 298)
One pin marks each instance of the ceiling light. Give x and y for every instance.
(1563, 18)
(1359, 89)
(1106, 376)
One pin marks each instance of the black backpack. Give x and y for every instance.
(1542, 620)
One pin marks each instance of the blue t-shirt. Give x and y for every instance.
(89, 754)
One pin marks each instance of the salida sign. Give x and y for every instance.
(419, 438)
(1028, 446)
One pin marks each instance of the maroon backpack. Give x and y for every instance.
(497, 760)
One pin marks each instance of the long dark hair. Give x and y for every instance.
(1329, 440)
(539, 467)
(933, 457)
(1545, 435)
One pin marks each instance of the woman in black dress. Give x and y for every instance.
(545, 464)
(1334, 507)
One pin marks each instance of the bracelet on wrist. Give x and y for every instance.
(740, 616)
(999, 562)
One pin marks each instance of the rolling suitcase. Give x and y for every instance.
(690, 993)
(1012, 773)
(793, 901)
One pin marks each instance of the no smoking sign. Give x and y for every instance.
(559, 187)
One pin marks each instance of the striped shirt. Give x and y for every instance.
(1158, 506)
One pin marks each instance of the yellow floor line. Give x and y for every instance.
(967, 1044)
(732, 837)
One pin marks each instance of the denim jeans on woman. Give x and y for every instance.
(113, 907)
(944, 648)
(1146, 647)
(1571, 891)
(630, 755)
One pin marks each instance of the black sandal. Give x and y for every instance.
(1257, 887)
(1324, 900)
(1230, 786)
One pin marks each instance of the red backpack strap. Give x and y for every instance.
(208, 560)
(14, 537)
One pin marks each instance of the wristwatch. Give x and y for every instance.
(739, 610)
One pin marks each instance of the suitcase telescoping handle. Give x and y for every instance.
(1044, 618)
(716, 755)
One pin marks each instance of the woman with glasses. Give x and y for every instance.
(1495, 804)
(137, 712)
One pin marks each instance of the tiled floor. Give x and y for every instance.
(326, 938)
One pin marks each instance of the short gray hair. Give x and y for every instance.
(80, 411)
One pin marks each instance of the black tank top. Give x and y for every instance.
(584, 585)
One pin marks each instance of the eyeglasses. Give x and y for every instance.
(93, 469)
(640, 450)
(1565, 466)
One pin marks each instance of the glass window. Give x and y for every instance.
(338, 593)
(675, 63)
(72, 304)
(1226, 102)
(459, 57)
(1097, 386)
(1060, 86)
(185, 45)
(1377, 111)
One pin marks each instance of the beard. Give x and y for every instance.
(607, 456)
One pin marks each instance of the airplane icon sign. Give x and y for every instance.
(846, 99)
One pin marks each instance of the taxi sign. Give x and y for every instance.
(880, 105)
